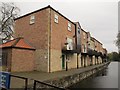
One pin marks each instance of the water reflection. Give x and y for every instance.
(107, 78)
(102, 73)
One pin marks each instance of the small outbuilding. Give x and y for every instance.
(17, 55)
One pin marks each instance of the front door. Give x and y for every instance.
(85, 61)
(63, 61)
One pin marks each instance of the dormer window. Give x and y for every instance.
(69, 26)
(56, 18)
(32, 19)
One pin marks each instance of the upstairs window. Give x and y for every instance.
(70, 44)
(32, 19)
(56, 18)
(69, 26)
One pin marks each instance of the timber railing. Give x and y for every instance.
(38, 84)
(25, 79)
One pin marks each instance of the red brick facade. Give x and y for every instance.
(46, 36)
(22, 60)
(84, 39)
(55, 39)
(60, 32)
(35, 33)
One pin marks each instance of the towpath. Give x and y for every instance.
(43, 76)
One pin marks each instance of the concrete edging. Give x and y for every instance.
(67, 81)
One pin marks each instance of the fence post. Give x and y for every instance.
(26, 83)
(26, 80)
(34, 87)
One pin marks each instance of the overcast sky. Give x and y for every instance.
(99, 18)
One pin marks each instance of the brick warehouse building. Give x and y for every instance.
(91, 50)
(53, 36)
(60, 44)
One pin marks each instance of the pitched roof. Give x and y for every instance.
(97, 40)
(83, 30)
(44, 9)
(17, 43)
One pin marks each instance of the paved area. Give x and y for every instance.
(42, 76)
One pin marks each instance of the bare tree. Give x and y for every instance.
(8, 12)
(118, 41)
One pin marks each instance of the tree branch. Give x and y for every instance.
(9, 12)
(7, 19)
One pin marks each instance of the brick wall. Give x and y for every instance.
(59, 31)
(98, 46)
(37, 35)
(22, 60)
(8, 53)
(59, 34)
(83, 37)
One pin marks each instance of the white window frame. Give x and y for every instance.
(70, 44)
(69, 26)
(55, 18)
(32, 19)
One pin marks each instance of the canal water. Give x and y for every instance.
(106, 79)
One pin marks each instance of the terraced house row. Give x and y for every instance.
(45, 40)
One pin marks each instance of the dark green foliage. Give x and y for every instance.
(114, 56)
(118, 41)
